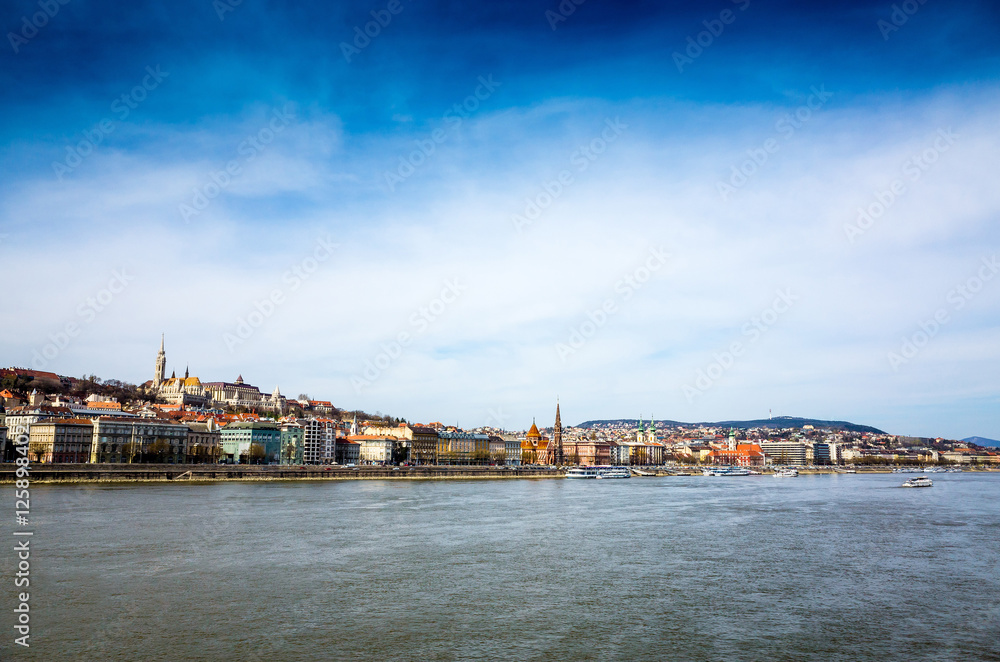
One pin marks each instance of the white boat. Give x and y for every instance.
(786, 473)
(582, 472)
(923, 481)
(726, 471)
(614, 472)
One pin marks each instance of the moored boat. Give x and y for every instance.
(726, 471)
(614, 472)
(786, 473)
(582, 472)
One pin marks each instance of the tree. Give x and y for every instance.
(257, 453)
(158, 450)
(129, 450)
(288, 453)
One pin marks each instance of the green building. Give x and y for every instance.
(251, 443)
(292, 444)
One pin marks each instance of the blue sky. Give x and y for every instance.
(614, 214)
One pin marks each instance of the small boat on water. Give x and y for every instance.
(614, 472)
(786, 473)
(726, 471)
(922, 481)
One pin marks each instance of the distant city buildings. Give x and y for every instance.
(182, 420)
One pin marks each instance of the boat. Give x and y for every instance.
(582, 472)
(786, 473)
(922, 481)
(726, 471)
(614, 472)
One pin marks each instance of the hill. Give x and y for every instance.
(982, 441)
(776, 422)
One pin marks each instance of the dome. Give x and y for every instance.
(533, 433)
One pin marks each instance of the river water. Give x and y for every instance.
(833, 567)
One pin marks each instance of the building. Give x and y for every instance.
(18, 419)
(251, 442)
(497, 449)
(204, 442)
(825, 453)
(785, 451)
(60, 440)
(534, 447)
(618, 453)
(375, 449)
(348, 452)
(319, 440)
(239, 394)
(589, 452)
(184, 391)
(456, 447)
(118, 439)
(4, 449)
(292, 444)
(512, 451)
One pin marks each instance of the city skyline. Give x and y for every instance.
(475, 211)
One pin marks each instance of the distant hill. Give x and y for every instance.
(982, 441)
(776, 422)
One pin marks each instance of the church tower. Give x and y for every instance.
(161, 366)
(557, 442)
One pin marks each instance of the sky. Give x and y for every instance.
(458, 213)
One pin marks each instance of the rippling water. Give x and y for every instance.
(840, 567)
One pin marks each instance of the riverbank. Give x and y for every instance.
(140, 473)
(133, 473)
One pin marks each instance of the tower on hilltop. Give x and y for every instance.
(557, 441)
(161, 366)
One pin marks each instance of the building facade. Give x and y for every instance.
(251, 443)
(60, 440)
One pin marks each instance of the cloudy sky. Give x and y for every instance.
(693, 210)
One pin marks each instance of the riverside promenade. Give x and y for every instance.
(131, 473)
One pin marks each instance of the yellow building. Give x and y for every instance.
(534, 447)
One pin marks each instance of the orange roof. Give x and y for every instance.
(533, 433)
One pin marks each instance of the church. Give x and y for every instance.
(186, 390)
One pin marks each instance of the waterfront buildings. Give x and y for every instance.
(292, 444)
(251, 442)
(204, 442)
(786, 451)
(348, 452)
(61, 440)
(118, 439)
